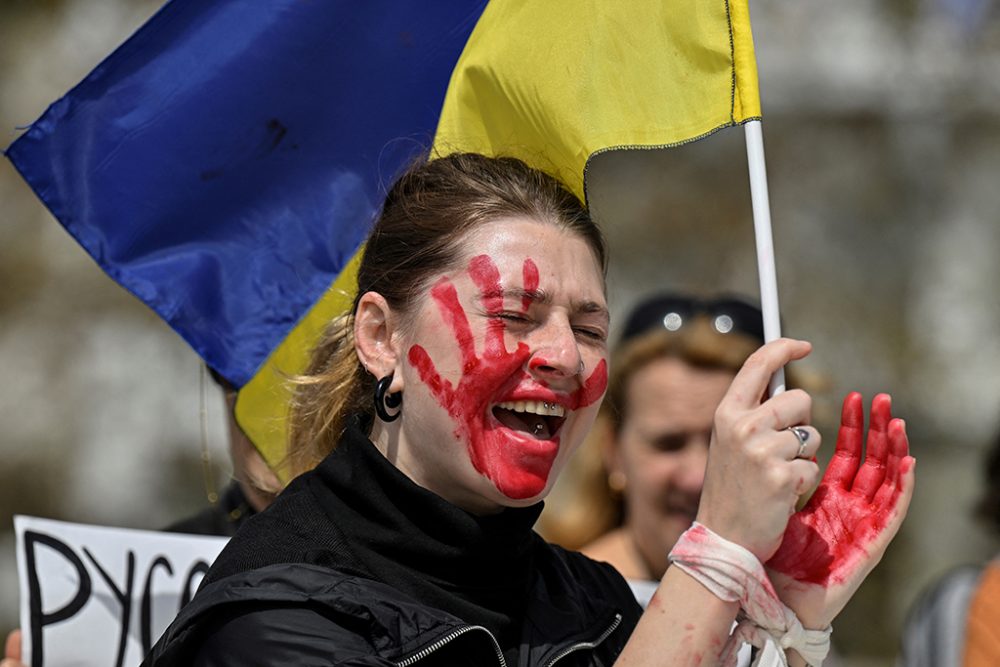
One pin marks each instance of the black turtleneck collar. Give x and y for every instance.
(478, 568)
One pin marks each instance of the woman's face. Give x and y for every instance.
(504, 362)
(662, 449)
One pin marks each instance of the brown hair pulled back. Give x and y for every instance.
(417, 236)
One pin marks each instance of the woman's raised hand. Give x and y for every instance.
(755, 474)
(841, 534)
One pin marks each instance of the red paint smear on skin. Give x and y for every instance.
(592, 389)
(825, 541)
(530, 273)
(825, 549)
(519, 466)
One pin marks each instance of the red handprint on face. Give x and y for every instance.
(517, 462)
(839, 536)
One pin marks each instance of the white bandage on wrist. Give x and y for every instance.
(734, 574)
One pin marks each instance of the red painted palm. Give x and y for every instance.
(832, 544)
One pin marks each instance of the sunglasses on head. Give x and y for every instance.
(726, 314)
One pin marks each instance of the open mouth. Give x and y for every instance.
(684, 507)
(539, 419)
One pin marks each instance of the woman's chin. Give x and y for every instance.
(521, 488)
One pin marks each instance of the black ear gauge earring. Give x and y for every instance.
(384, 400)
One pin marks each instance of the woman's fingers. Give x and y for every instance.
(804, 443)
(898, 463)
(741, 416)
(872, 471)
(751, 382)
(887, 449)
(843, 465)
(772, 419)
(892, 502)
(806, 474)
(898, 447)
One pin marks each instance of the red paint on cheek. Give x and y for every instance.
(519, 469)
(593, 388)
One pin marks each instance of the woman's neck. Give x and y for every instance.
(387, 438)
(620, 550)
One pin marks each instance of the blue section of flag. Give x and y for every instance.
(225, 162)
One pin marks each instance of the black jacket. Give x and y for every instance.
(309, 582)
(305, 615)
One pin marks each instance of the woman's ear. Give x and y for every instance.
(374, 336)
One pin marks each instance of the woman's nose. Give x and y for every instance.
(556, 352)
(694, 460)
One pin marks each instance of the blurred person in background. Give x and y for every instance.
(252, 488)
(637, 481)
(956, 620)
(636, 484)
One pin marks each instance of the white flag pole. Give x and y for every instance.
(765, 244)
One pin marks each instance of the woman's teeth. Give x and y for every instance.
(541, 408)
(539, 418)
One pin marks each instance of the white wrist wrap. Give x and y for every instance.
(734, 574)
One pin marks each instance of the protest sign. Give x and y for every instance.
(94, 596)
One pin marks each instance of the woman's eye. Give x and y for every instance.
(673, 442)
(512, 317)
(591, 334)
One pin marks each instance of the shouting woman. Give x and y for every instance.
(436, 416)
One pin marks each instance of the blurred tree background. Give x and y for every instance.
(882, 132)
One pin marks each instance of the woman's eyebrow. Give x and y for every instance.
(592, 308)
(533, 295)
(543, 297)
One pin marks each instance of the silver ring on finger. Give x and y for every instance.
(802, 435)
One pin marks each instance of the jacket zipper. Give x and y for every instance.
(450, 637)
(447, 639)
(587, 645)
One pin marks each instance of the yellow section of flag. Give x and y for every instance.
(262, 403)
(554, 82)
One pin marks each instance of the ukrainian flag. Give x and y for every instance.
(226, 162)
